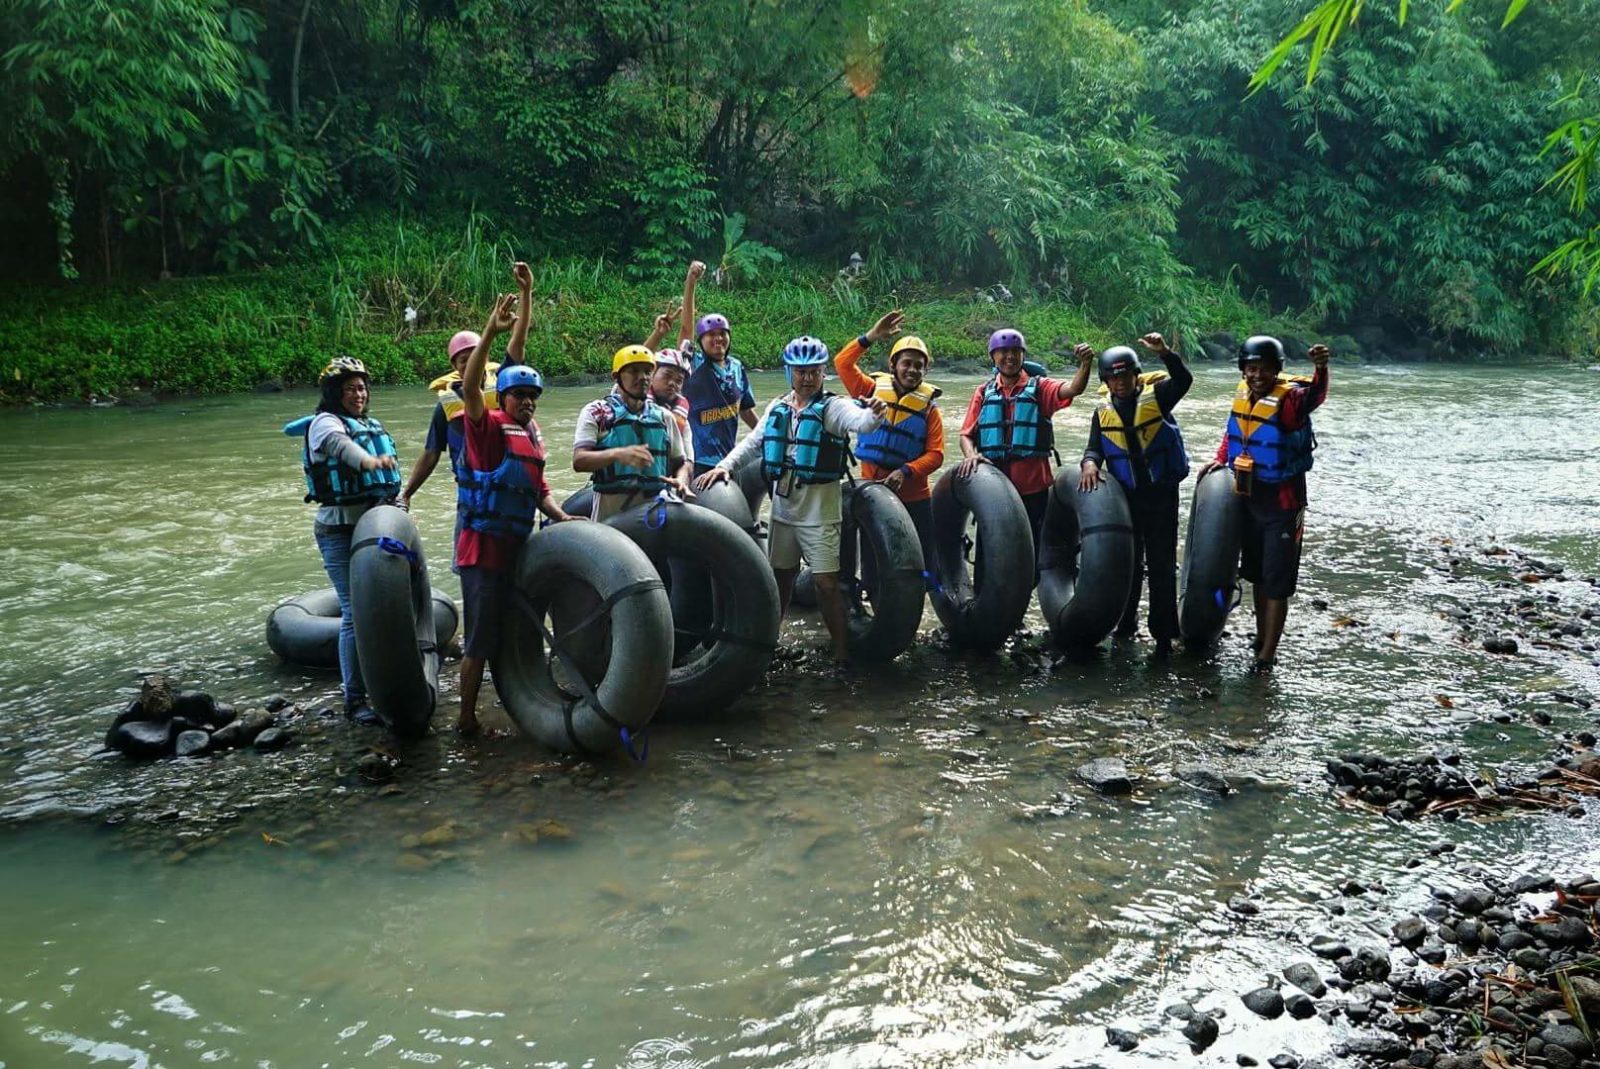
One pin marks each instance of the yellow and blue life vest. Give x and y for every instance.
(505, 501)
(1013, 428)
(800, 442)
(646, 427)
(329, 482)
(1257, 430)
(1160, 443)
(903, 435)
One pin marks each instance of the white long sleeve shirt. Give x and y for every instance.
(818, 504)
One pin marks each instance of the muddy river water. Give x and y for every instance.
(886, 869)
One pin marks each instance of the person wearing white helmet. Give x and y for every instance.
(350, 465)
(803, 449)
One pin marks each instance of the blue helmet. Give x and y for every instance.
(805, 351)
(518, 376)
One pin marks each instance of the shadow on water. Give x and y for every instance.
(895, 868)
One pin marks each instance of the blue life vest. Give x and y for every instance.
(1256, 430)
(505, 501)
(903, 435)
(802, 444)
(1013, 428)
(715, 396)
(647, 427)
(1160, 444)
(329, 482)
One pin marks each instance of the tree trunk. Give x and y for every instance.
(294, 66)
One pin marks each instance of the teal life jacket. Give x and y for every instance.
(329, 482)
(504, 501)
(802, 444)
(647, 427)
(1013, 428)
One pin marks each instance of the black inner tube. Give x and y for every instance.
(982, 605)
(1086, 561)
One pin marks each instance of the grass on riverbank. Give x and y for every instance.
(230, 333)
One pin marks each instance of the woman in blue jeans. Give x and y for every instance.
(350, 466)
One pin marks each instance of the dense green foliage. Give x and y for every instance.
(230, 333)
(1100, 155)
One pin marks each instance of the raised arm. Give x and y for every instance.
(659, 329)
(1080, 380)
(1179, 378)
(502, 319)
(686, 315)
(517, 349)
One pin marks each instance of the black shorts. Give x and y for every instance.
(1270, 549)
(484, 595)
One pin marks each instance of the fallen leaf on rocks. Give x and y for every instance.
(1347, 621)
(1444, 701)
(271, 841)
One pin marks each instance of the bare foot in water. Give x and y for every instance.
(467, 725)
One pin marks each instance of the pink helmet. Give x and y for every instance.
(673, 358)
(463, 339)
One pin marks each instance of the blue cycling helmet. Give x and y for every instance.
(805, 351)
(515, 376)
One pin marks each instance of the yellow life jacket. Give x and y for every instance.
(445, 387)
(903, 434)
(1161, 446)
(1149, 378)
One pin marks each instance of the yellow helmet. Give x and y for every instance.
(341, 366)
(631, 354)
(914, 344)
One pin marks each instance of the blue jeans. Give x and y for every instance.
(335, 546)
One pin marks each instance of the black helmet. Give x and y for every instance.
(1260, 347)
(1117, 359)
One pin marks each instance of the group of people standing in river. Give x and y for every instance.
(670, 423)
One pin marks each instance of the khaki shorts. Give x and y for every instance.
(787, 544)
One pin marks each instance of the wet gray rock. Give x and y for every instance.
(134, 711)
(1204, 778)
(1512, 939)
(1565, 931)
(1410, 931)
(1567, 1037)
(254, 723)
(1201, 1031)
(1300, 1006)
(1243, 906)
(229, 736)
(195, 706)
(1245, 1060)
(1284, 1061)
(1108, 775)
(143, 738)
(375, 768)
(1264, 1002)
(1377, 1045)
(1121, 1038)
(272, 739)
(275, 702)
(1181, 1011)
(1500, 644)
(1472, 900)
(1326, 946)
(1587, 992)
(191, 743)
(223, 714)
(1303, 974)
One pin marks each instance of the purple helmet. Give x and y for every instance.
(1007, 339)
(710, 322)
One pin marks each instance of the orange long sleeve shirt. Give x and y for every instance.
(859, 384)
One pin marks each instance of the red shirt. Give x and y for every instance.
(485, 451)
(1293, 412)
(1030, 475)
